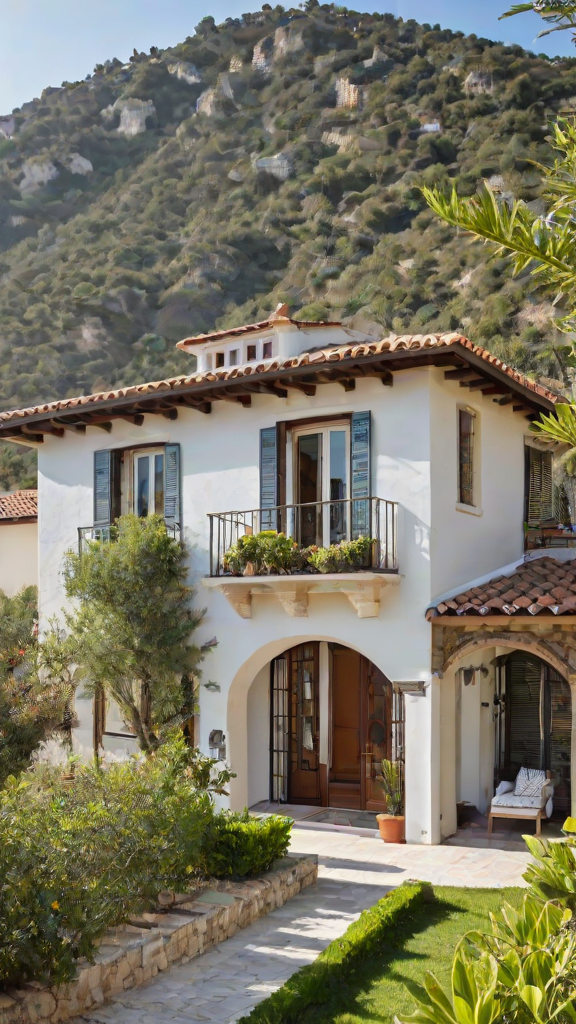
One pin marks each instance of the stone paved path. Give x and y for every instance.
(354, 872)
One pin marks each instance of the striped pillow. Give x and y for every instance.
(529, 782)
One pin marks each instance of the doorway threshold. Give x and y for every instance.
(323, 819)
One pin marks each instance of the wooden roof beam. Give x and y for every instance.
(43, 428)
(257, 388)
(307, 389)
(481, 384)
(459, 374)
(28, 434)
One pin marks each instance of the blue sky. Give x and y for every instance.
(46, 42)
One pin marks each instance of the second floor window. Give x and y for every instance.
(466, 424)
(145, 481)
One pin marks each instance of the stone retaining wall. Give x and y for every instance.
(133, 953)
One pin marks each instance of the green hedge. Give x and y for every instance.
(363, 938)
(238, 845)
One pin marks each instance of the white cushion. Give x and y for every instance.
(511, 800)
(529, 782)
(549, 807)
(504, 787)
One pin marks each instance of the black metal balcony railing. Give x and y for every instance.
(321, 523)
(88, 534)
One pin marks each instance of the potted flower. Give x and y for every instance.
(391, 824)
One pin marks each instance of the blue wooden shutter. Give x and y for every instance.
(102, 488)
(268, 477)
(360, 473)
(172, 484)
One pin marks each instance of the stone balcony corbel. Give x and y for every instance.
(362, 589)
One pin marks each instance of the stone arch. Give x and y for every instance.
(515, 641)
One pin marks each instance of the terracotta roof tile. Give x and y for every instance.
(555, 593)
(19, 505)
(391, 346)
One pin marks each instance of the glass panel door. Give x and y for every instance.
(309, 487)
(338, 485)
(149, 484)
(321, 474)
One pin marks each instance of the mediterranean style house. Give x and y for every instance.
(447, 645)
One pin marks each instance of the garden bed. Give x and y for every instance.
(131, 954)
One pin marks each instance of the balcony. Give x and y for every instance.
(104, 534)
(311, 526)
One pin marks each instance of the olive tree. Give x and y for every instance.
(131, 626)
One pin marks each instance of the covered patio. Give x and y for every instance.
(505, 653)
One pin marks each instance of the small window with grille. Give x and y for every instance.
(466, 425)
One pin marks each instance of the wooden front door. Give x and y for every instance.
(365, 728)
(346, 714)
(304, 732)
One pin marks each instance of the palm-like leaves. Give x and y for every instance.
(558, 14)
(544, 245)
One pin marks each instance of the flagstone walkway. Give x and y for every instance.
(354, 872)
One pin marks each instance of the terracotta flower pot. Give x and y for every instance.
(391, 827)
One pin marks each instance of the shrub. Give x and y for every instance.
(306, 988)
(238, 845)
(76, 860)
(344, 557)
(269, 553)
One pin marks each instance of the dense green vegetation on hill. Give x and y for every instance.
(128, 220)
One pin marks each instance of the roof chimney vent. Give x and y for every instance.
(280, 311)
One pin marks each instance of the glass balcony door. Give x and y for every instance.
(321, 482)
(149, 483)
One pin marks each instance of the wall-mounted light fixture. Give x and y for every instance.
(217, 744)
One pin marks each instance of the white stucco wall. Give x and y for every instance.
(18, 556)
(466, 545)
(412, 422)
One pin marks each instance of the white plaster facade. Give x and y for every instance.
(440, 546)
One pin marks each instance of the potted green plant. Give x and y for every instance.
(391, 824)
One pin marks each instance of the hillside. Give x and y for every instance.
(273, 158)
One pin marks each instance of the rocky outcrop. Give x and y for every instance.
(79, 164)
(135, 115)
(478, 82)
(37, 174)
(262, 56)
(7, 126)
(206, 102)
(279, 165)
(236, 64)
(348, 95)
(185, 71)
(287, 39)
(378, 57)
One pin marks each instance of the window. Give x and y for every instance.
(466, 423)
(219, 360)
(149, 483)
(250, 353)
(233, 359)
(539, 489)
(267, 350)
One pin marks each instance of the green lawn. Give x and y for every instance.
(379, 988)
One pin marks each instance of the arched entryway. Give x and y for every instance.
(334, 717)
(534, 722)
